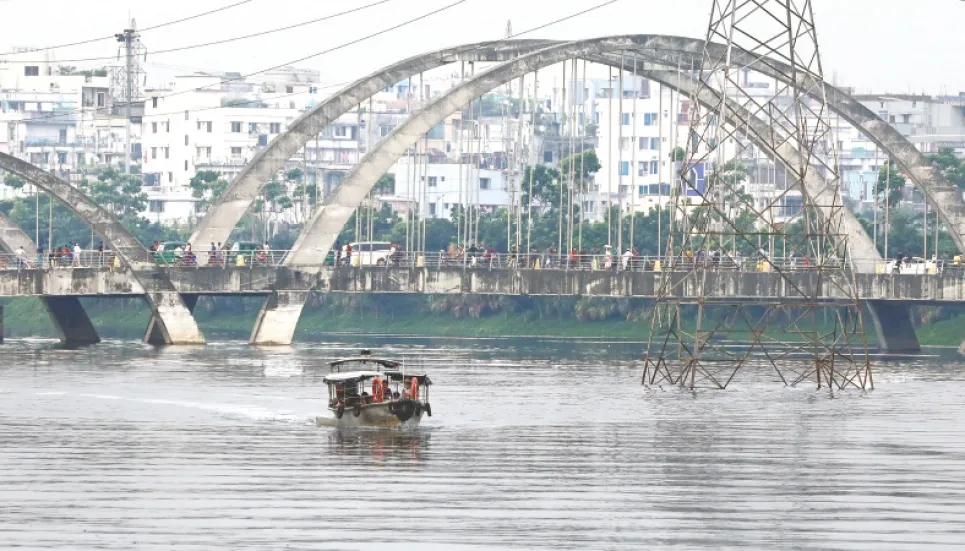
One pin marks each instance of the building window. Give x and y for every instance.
(654, 167)
(624, 168)
(341, 131)
(236, 151)
(153, 153)
(207, 152)
(153, 128)
(547, 156)
(643, 169)
(31, 71)
(626, 119)
(252, 128)
(432, 209)
(384, 131)
(289, 89)
(432, 181)
(209, 126)
(274, 128)
(654, 144)
(236, 127)
(167, 152)
(643, 143)
(102, 99)
(185, 139)
(186, 115)
(485, 183)
(155, 206)
(625, 143)
(62, 157)
(170, 176)
(185, 164)
(167, 126)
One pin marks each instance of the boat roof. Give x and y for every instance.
(350, 376)
(384, 362)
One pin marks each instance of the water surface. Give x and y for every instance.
(533, 444)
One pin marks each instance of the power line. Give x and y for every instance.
(233, 39)
(279, 66)
(341, 46)
(112, 36)
(571, 16)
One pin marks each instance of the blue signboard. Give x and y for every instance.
(696, 185)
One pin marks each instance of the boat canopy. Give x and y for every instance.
(383, 362)
(397, 376)
(351, 376)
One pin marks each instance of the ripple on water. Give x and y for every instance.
(533, 445)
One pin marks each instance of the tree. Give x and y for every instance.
(13, 181)
(890, 178)
(207, 185)
(585, 166)
(117, 192)
(545, 185)
(678, 155)
(949, 165)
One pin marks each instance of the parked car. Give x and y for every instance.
(250, 250)
(166, 252)
(371, 253)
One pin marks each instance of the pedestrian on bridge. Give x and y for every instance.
(21, 261)
(40, 256)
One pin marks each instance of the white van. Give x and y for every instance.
(370, 253)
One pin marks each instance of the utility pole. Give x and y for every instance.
(127, 38)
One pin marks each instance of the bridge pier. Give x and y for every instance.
(70, 320)
(278, 318)
(172, 321)
(893, 326)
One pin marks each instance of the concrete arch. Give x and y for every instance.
(66, 313)
(318, 237)
(223, 216)
(172, 321)
(329, 220)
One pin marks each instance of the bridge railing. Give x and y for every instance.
(445, 260)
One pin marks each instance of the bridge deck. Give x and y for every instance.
(721, 286)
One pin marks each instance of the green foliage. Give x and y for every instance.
(949, 165)
(678, 155)
(11, 180)
(890, 178)
(584, 164)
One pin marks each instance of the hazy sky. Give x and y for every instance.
(881, 45)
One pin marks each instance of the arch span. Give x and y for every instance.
(670, 50)
(223, 216)
(171, 318)
(67, 314)
(321, 232)
(277, 320)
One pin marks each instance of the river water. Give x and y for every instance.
(533, 444)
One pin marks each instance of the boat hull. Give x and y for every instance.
(371, 415)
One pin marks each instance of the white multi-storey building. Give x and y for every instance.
(58, 118)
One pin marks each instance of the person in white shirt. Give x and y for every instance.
(625, 259)
(77, 251)
(21, 263)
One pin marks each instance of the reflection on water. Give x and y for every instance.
(533, 444)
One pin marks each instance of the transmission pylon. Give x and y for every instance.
(126, 81)
(710, 320)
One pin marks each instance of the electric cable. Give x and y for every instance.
(68, 113)
(158, 26)
(228, 40)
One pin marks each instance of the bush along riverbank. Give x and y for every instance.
(418, 315)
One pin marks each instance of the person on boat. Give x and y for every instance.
(378, 389)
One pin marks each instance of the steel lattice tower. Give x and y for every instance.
(701, 334)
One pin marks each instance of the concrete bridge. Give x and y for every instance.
(660, 58)
(889, 295)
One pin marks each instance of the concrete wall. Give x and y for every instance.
(719, 286)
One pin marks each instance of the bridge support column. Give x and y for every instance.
(893, 326)
(172, 321)
(70, 320)
(278, 318)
